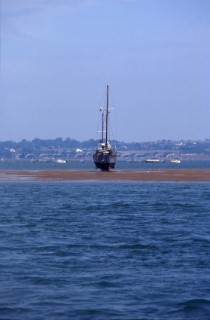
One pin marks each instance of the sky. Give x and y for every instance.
(58, 56)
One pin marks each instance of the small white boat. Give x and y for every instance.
(152, 160)
(61, 161)
(176, 161)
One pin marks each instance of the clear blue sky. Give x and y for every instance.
(57, 56)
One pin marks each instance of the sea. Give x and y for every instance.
(104, 250)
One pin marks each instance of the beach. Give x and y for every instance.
(179, 175)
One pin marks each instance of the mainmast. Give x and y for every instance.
(107, 113)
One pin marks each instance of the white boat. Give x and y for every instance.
(61, 161)
(152, 160)
(176, 161)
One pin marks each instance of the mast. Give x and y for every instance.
(107, 113)
(102, 129)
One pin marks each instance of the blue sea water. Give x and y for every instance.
(73, 250)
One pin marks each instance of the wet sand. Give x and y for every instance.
(115, 175)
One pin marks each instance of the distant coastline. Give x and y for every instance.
(70, 149)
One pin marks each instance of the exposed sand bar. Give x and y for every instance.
(115, 175)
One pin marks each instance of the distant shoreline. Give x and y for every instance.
(167, 175)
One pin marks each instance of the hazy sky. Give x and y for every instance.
(57, 56)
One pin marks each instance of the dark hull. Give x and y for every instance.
(105, 166)
(104, 162)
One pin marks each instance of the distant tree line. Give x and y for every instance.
(37, 144)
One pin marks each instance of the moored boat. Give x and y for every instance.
(176, 161)
(104, 156)
(61, 161)
(152, 160)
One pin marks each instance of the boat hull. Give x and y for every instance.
(105, 166)
(104, 161)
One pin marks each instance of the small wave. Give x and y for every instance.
(205, 239)
(137, 246)
(196, 309)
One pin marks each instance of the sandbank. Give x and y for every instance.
(176, 175)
